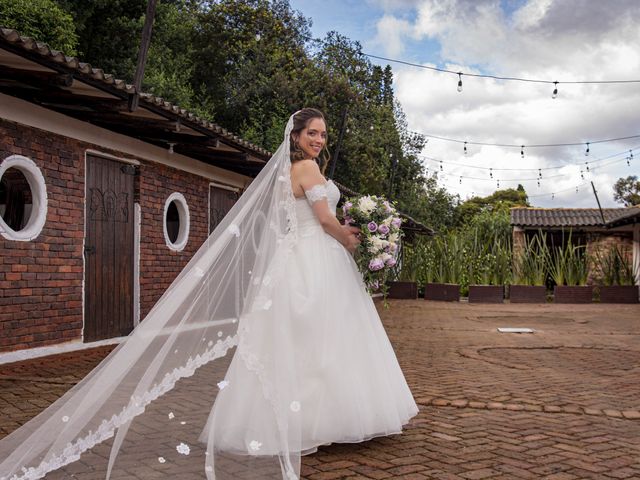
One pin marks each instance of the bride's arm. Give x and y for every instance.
(314, 185)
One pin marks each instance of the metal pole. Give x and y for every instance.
(599, 207)
(142, 54)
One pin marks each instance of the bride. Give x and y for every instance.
(312, 363)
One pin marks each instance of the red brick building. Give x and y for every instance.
(599, 230)
(100, 206)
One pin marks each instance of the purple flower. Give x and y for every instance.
(387, 206)
(376, 264)
(375, 285)
(391, 262)
(372, 226)
(347, 206)
(383, 229)
(396, 222)
(348, 220)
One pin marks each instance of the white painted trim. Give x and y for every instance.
(98, 153)
(38, 216)
(136, 263)
(224, 187)
(183, 212)
(73, 346)
(26, 113)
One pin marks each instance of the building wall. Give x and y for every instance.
(598, 247)
(159, 265)
(41, 281)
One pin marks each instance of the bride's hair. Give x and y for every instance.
(301, 120)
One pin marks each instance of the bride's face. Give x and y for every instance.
(313, 137)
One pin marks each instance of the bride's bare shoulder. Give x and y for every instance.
(305, 166)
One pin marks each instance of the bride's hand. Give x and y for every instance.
(352, 243)
(351, 230)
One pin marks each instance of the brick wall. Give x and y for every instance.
(41, 280)
(159, 265)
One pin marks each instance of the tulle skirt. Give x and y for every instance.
(314, 365)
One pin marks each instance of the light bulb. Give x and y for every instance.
(460, 81)
(555, 90)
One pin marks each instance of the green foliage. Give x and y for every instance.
(247, 64)
(569, 264)
(531, 265)
(627, 191)
(43, 20)
(499, 201)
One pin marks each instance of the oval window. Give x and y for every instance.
(176, 222)
(23, 199)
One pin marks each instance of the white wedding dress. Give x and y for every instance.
(348, 385)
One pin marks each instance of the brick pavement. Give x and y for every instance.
(561, 404)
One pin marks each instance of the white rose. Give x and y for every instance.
(366, 205)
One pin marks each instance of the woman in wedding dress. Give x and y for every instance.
(312, 362)
(349, 386)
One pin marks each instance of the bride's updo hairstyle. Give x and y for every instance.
(301, 120)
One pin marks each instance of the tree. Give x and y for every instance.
(109, 33)
(627, 191)
(43, 20)
(498, 201)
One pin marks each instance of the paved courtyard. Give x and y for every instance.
(562, 403)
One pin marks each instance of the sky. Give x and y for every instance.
(552, 40)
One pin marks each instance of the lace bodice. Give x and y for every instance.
(304, 212)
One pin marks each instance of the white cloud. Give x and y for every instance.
(546, 39)
(390, 33)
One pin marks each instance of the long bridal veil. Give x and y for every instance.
(148, 410)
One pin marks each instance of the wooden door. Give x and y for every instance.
(108, 251)
(220, 202)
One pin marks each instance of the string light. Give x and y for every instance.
(460, 179)
(555, 90)
(586, 152)
(553, 195)
(539, 170)
(459, 81)
(495, 77)
(491, 173)
(537, 145)
(587, 165)
(465, 148)
(581, 175)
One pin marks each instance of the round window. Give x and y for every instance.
(23, 199)
(176, 222)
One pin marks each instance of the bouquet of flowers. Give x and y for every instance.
(379, 225)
